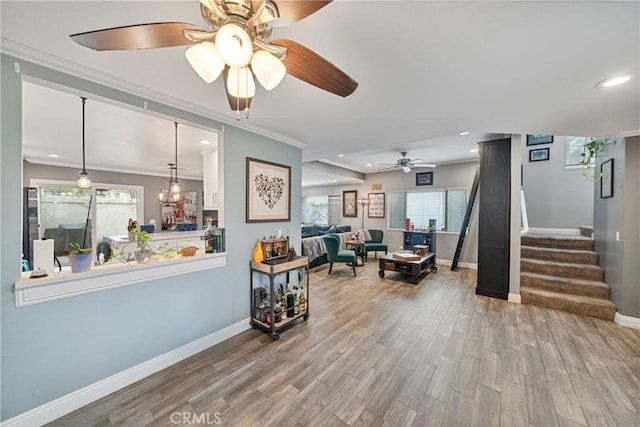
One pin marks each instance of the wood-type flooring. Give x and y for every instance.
(386, 352)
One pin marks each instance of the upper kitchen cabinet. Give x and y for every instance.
(210, 169)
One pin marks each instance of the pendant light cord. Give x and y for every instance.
(176, 125)
(84, 170)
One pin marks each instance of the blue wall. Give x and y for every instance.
(51, 349)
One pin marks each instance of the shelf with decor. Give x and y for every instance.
(279, 294)
(424, 238)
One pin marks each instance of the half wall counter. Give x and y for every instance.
(166, 260)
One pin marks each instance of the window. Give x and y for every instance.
(335, 209)
(574, 147)
(446, 206)
(315, 210)
(62, 205)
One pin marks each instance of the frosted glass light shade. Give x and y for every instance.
(234, 45)
(83, 180)
(268, 69)
(175, 187)
(240, 83)
(205, 60)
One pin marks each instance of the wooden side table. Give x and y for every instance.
(356, 245)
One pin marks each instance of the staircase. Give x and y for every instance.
(562, 272)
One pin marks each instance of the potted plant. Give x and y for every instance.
(592, 147)
(80, 258)
(143, 251)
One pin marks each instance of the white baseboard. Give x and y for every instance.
(514, 298)
(564, 231)
(63, 405)
(460, 264)
(628, 321)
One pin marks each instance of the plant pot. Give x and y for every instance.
(80, 262)
(142, 255)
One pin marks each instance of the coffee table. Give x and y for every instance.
(413, 268)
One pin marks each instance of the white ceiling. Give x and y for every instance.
(426, 71)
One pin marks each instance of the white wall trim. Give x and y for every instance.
(63, 405)
(628, 321)
(565, 231)
(66, 284)
(473, 265)
(56, 63)
(514, 298)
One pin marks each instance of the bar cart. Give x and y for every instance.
(286, 298)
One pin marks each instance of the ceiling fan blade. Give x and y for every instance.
(132, 37)
(306, 65)
(291, 11)
(423, 165)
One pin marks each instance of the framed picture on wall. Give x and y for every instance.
(424, 178)
(539, 155)
(349, 203)
(376, 205)
(539, 139)
(268, 191)
(606, 179)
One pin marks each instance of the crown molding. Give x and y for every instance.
(27, 53)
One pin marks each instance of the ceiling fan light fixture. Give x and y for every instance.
(205, 60)
(240, 83)
(268, 69)
(406, 169)
(234, 45)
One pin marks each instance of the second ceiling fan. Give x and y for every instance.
(406, 164)
(235, 44)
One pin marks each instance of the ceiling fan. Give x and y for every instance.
(407, 164)
(235, 44)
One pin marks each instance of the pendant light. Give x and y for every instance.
(83, 177)
(175, 188)
(163, 195)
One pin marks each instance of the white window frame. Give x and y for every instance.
(37, 182)
(424, 190)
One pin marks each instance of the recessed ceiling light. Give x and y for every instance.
(205, 142)
(368, 164)
(463, 133)
(333, 180)
(340, 155)
(614, 81)
(475, 150)
(55, 156)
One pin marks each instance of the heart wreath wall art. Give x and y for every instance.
(269, 189)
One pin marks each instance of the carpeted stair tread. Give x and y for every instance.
(589, 288)
(563, 269)
(558, 242)
(577, 256)
(587, 306)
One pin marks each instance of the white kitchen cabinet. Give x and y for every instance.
(191, 241)
(210, 179)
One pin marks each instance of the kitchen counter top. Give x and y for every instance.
(163, 235)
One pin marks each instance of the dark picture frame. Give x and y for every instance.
(376, 207)
(350, 203)
(424, 178)
(268, 191)
(606, 179)
(539, 139)
(539, 155)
